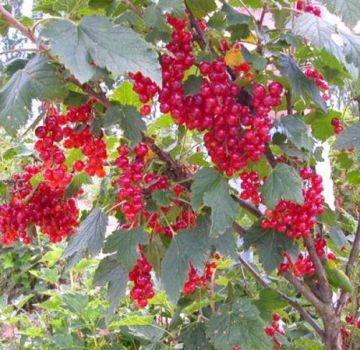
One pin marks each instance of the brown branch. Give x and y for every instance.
(263, 13)
(292, 302)
(132, 7)
(247, 206)
(239, 229)
(289, 107)
(319, 268)
(270, 156)
(200, 38)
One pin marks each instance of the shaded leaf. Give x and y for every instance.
(283, 183)
(338, 236)
(77, 181)
(125, 243)
(192, 85)
(300, 84)
(269, 244)
(36, 80)
(194, 337)
(201, 8)
(112, 273)
(269, 300)
(238, 324)
(89, 238)
(349, 138)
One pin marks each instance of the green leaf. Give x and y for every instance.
(201, 8)
(129, 120)
(162, 198)
(175, 7)
(192, 85)
(269, 245)
(125, 95)
(75, 302)
(238, 324)
(36, 180)
(297, 132)
(225, 244)
(89, 238)
(194, 337)
(72, 7)
(258, 62)
(125, 243)
(36, 80)
(283, 183)
(4, 25)
(77, 181)
(338, 236)
(300, 84)
(188, 245)
(112, 273)
(307, 344)
(347, 10)
(350, 138)
(234, 17)
(213, 189)
(132, 321)
(117, 48)
(269, 300)
(321, 123)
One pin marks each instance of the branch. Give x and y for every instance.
(6, 52)
(270, 156)
(292, 302)
(289, 107)
(323, 281)
(247, 206)
(263, 13)
(199, 33)
(132, 7)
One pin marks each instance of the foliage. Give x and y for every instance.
(161, 175)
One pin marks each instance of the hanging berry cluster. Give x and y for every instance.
(274, 329)
(336, 123)
(45, 207)
(319, 80)
(250, 183)
(293, 219)
(234, 133)
(143, 287)
(194, 280)
(307, 6)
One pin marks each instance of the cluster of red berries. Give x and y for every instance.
(73, 128)
(143, 287)
(250, 183)
(336, 123)
(303, 264)
(146, 89)
(45, 207)
(319, 80)
(194, 280)
(293, 219)
(274, 329)
(346, 331)
(234, 134)
(306, 6)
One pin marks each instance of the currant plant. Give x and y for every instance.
(179, 148)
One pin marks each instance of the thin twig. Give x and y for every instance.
(292, 302)
(18, 50)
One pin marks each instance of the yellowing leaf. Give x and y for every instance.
(252, 38)
(234, 57)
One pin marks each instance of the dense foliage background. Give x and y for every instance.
(179, 175)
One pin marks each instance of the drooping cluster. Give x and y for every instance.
(250, 184)
(235, 133)
(45, 207)
(195, 280)
(307, 6)
(293, 219)
(73, 130)
(303, 264)
(274, 329)
(319, 80)
(336, 123)
(143, 287)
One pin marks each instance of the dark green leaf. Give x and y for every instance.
(111, 272)
(201, 8)
(162, 198)
(192, 85)
(89, 238)
(76, 303)
(258, 62)
(176, 7)
(234, 17)
(129, 120)
(269, 245)
(338, 236)
(297, 132)
(269, 300)
(350, 138)
(194, 337)
(300, 84)
(238, 324)
(225, 244)
(117, 48)
(77, 181)
(188, 245)
(125, 243)
(283, 183)
(213, 189)
(36, 80)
